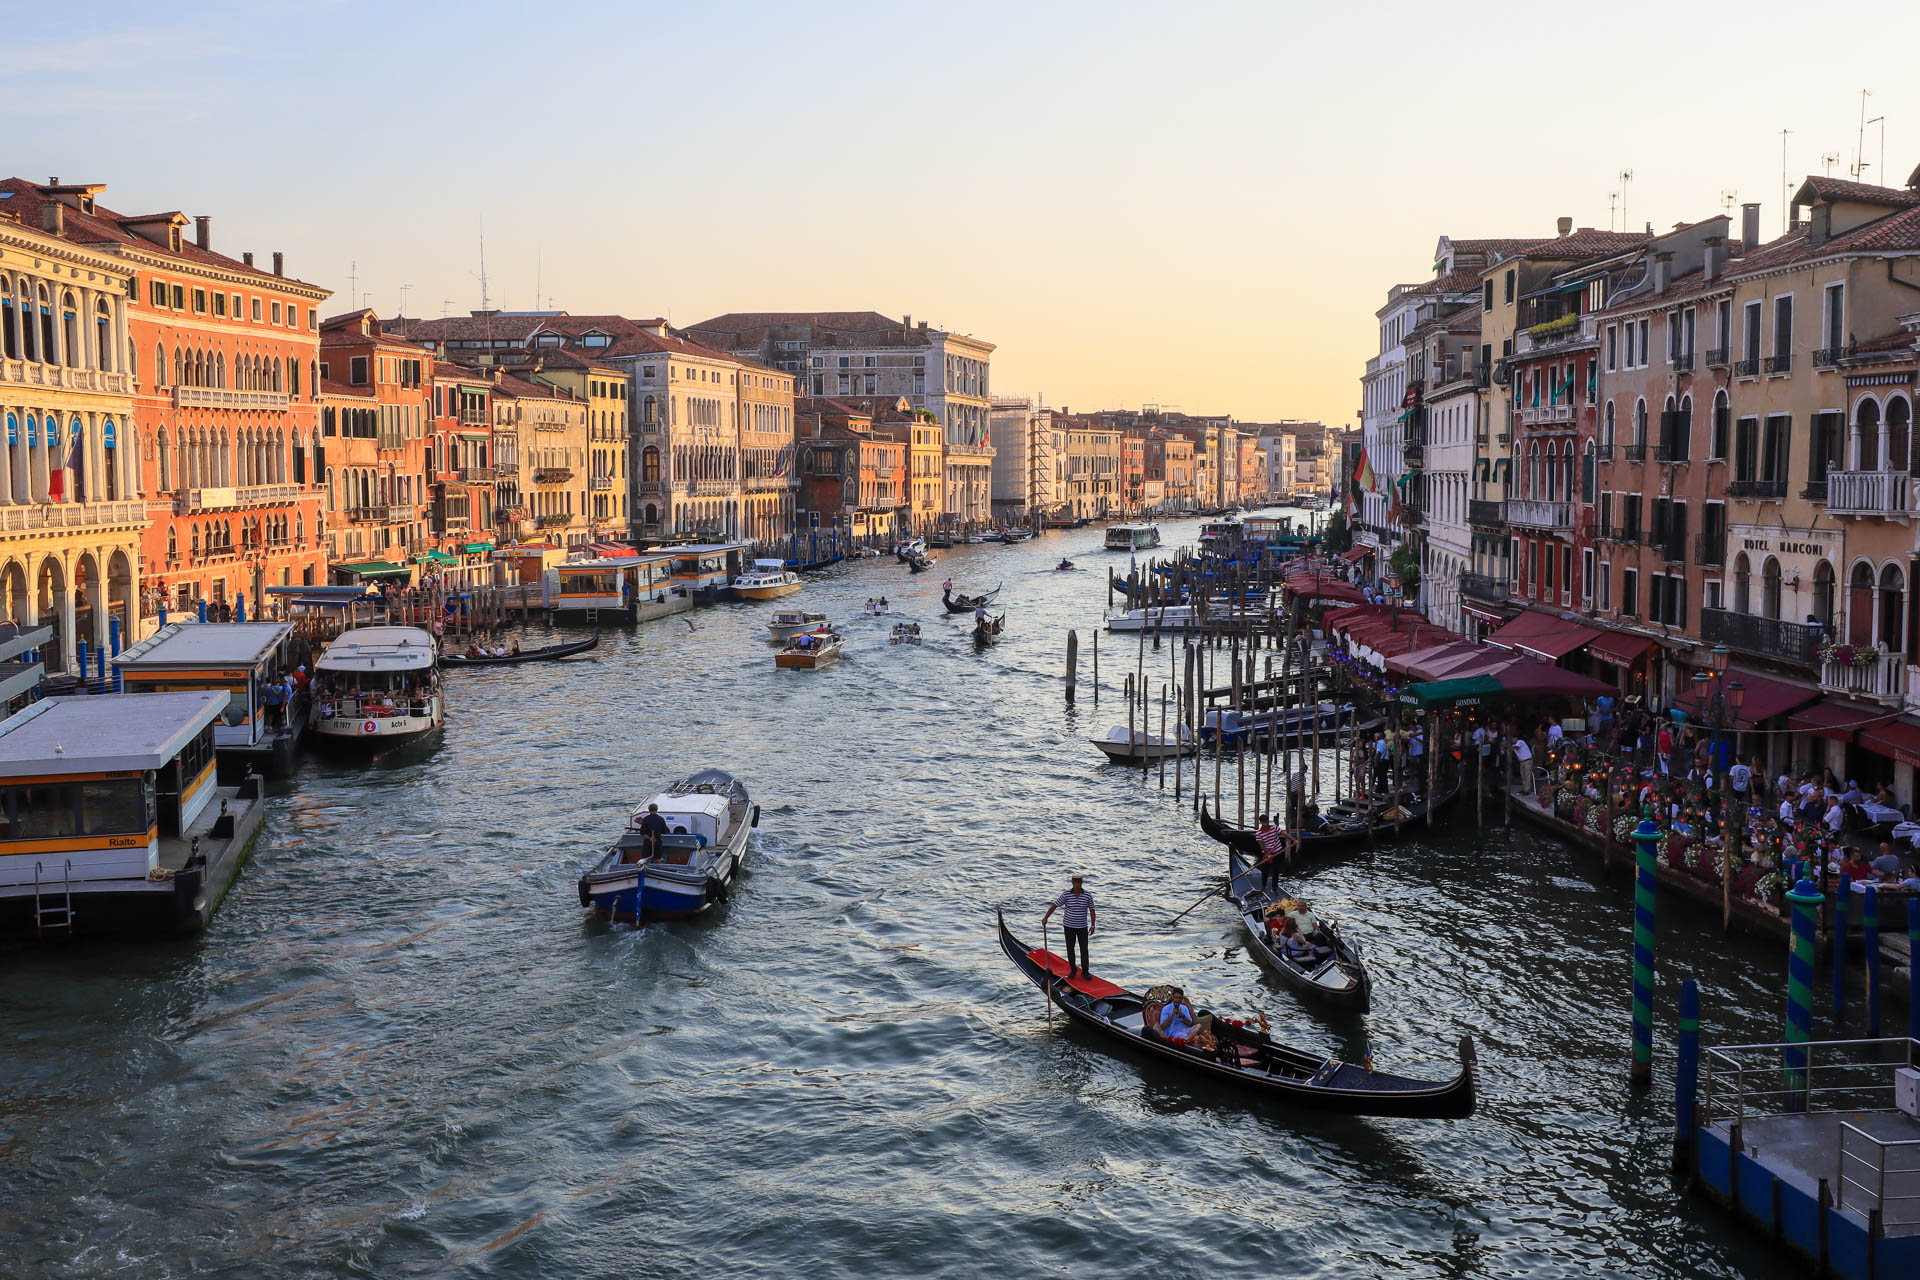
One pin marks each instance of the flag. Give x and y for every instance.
(77, 462)
(1363, 477)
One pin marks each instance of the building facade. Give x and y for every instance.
(376, 394)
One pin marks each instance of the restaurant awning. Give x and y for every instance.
(1438, 662)
(478, 548)
(1493, 616)
(1543, 636)
(1354, 555)
(375, 569)
(435, 557)
(1621, 648)
(1897, 738)
(1516, 677)
(1765, 698)
(1325, 589)
(1834, 719)
(1443, 695)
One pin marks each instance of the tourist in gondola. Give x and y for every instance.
(1077, 922)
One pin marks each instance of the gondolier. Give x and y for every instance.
(1272, 847)
(1077, 921)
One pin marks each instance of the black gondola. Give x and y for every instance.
(988, 630)
(967, 604)
(1244, 1056)
(1341, 827)
(547, 654)
(919, 564)
(1340, 980)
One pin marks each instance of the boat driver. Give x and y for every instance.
(652, 827)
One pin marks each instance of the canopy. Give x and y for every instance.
(1834, 719)
(1354, 555)
(1325, 589)
(1765, 699)
(478, 548)
(1897, 738)
(1516, 677)
(436, 557)
(375, 569)
(1543, 636)
(1621, 648)
(1432, 664)
(1441, 695)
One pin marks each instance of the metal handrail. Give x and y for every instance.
(1877, 1192)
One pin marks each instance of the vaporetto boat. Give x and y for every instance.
(376, 688)
(1132, 537)
(708, 818)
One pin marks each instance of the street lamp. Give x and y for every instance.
(1718, 658)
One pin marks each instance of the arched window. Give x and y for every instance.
(1899, 424)
(1606, 429)
(1866, 435)
(1587, 474)
(1742, 584)
(166, 469)
(650, 466)
(9, 320)
(1823, 594)
(103, 334)
(1640, 422)
(1770, 589)
(1893, 609)
(1860, 604)
(1683, 430)
(70, 330)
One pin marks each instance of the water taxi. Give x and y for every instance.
(1132, 537)
(767, 580)
(788, 623)
(376, 688)
(810, 649)
(708, 818)
(1172, 617)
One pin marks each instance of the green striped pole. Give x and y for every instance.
(1645, 837)
(1804, 900)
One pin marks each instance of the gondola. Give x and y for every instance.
(920, 564)
(967, 604)
(1341, 827)
(1340, 980)
(1244, 1057)
(547, 654)
(988, 631)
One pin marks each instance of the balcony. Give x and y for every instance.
(1710, 548)
(368, 515)
(1539, 513)
(1635, 452)
(1779, 364)
(1719, 357)
(1816, 490)
(552, 475)
(215, 498)
(554, 520)
(597, 483)
(1604, 452)
(1627, 535)
(72, 515)
(1482, 514)
(506, 470)
(222, 398)
(1827, 357)
(1766, 637)
(1504, 438)
(1482, 586)
(31, 373)
(1557, 413)
(1682, 362)
(1870, 672)
(1748, 368)
(476, 475)
(1867, 493)
(1529, 415)
(1567, 331)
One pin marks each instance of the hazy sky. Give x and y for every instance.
(1197, 205)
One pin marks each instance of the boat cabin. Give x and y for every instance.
(694, 822)
(708, 565)
(612, 584)
(22, 669)
(90, 785)
(373, 671)
(1132, 537)
(235, 659)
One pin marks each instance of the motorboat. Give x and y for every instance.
(376, 688)
(810, 649)
(788, 623)
(708, 818)
(1278, 724)
(1124, 746)
(1132, 537)
(1172, 617)
(767, 580)
(877, 608)
(905, 633)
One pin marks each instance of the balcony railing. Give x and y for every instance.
(552, 475)
(1529, 415)
(1604, 452)
(1635, 452)
(1556, 413)
(597, 483)
(1539, 513)
(554, 520)
(1756, 490)
(1869, 672)
(1581, 330)
(222, 398)
(367, 515)
(1483, 586)
(505, 470)
(1780, 364)
(1767, 637)
(1866, 493)
(1718, 357)
(1627, 535)
(1710, 548)
(477, 475)
(227, 498)
(1748, 368)
(31, 373)
(1485, 514)
(1816, 490)
(1827, 357)
(72, 515)
(1683, 362)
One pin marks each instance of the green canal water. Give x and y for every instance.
(401, 1051)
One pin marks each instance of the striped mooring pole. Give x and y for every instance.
(1804, 901)
(1913, 979)
(1842, 901)
(1646, 837)
(1686, 1087)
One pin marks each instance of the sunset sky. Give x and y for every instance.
(1199, 206)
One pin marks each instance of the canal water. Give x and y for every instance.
(401, 1051)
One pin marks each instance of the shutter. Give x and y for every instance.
(1677, 530)
(1679, 602)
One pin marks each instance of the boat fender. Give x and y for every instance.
(716, 891)
(586, 899)
(756, 817)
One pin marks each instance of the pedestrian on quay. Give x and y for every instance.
(1077, 921)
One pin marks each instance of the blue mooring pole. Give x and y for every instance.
(1646, 836)
(1841, 900)
(1804, 900)
(1686, 1088)
(1870, 918)
(1913, 979)
(80, 646)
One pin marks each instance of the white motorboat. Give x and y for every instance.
(1122, 746)
(1132, 537)
(788, 623)
(767, 580)
(376, 688)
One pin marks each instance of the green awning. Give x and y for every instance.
(435, 557)
(376, 569)
(1442, 695)
(478, 548)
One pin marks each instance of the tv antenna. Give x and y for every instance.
(403, 298)
(1828, 159)
(1728, 198)
(486, 303)
(353, 284)
(446, 307)
(1882, 122)
(1860, 138)
(1783, 180)
(1613, 202)
(1626, 177)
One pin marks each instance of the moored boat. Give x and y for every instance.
(767, 580)
(1138, 747)
(1333, 973)
(1230, 1052)
(1343, 826)
(376, 688)
(708, 817)
(810, 650)
(1277, 725)
(788, 623)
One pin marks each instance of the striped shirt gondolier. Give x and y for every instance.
(1074, 907)
(1272, 840)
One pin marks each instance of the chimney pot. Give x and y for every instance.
(1564, 226)
(1749, 227)
(53, 217)
(247, 257)
(203, 231)
(54, 181)
(279, 263)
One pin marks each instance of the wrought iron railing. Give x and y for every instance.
(1767, 637)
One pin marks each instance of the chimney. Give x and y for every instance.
(1662, 267)
(279, 263)
(1749, 227)
(247, 257)
(53, 217)
(1564, 226)
(54, 181)
(1710, 267)
(203, 231)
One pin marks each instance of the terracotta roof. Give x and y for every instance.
(1494, 248)
(1586, 243)
(1893, 232)
(1459, 280)
(515, 387)
(332, 387)
(748, 329)
(1859, 192)
(104, 227)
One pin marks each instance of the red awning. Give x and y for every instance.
(1897, 738)
(1835, 719)
(1522, 676)
(1765, 698)
(1356, 554)
(1621, 648)
(1325, 589)
(1543, 636)
(1430, 663)
(1485, 615)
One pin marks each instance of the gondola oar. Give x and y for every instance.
(1046, 992)
(1217, 889)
